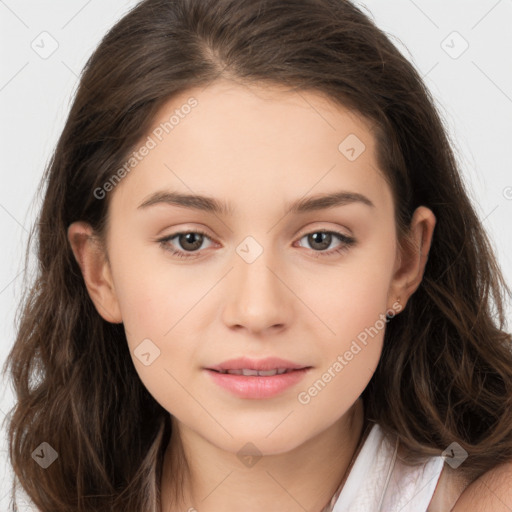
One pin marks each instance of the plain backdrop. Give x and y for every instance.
(462, 49)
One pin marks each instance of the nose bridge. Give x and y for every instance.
(257, 297)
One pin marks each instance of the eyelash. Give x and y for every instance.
(347, 242)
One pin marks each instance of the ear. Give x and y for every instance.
(412, 256)
(92, 259)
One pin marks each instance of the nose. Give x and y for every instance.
(258, 297)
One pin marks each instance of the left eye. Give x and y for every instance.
(191, 242)
(323, 239)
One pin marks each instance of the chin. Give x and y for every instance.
(254, 441)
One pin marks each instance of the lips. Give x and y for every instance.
(247, 372)
(257, 378)
(248, 367)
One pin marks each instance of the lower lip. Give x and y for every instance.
(257, 387)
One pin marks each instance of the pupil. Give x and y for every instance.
(324, 239)
(188, 238)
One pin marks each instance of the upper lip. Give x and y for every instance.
(269, 363)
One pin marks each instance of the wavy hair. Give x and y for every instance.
(445, 372)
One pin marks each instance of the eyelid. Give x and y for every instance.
(314, 229)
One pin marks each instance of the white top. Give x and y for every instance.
(379, 482)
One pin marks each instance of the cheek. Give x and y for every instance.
(353, 306)
(354, 296)
(349, 356)
(152, 295)
(158, 303)
(140, 307)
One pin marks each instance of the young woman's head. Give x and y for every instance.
(229, 184)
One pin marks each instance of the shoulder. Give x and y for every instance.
(491, 492)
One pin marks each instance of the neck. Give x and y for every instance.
(301, 479)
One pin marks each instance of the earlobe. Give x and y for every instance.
(91, 258)
(412, 257)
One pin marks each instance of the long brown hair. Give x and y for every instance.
(446, 368)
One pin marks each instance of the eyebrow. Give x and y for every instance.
(216, 206)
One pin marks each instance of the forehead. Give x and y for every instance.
(230, 139)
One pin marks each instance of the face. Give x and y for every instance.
(258, 278)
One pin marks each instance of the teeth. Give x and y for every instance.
(266, 373)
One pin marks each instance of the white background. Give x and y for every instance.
(473, 92)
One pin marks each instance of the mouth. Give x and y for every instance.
(248, 383)
(249, 372)
(249, 367)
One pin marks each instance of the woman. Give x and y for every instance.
(335, 306)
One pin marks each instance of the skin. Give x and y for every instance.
(257, 147)
(491, 492)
